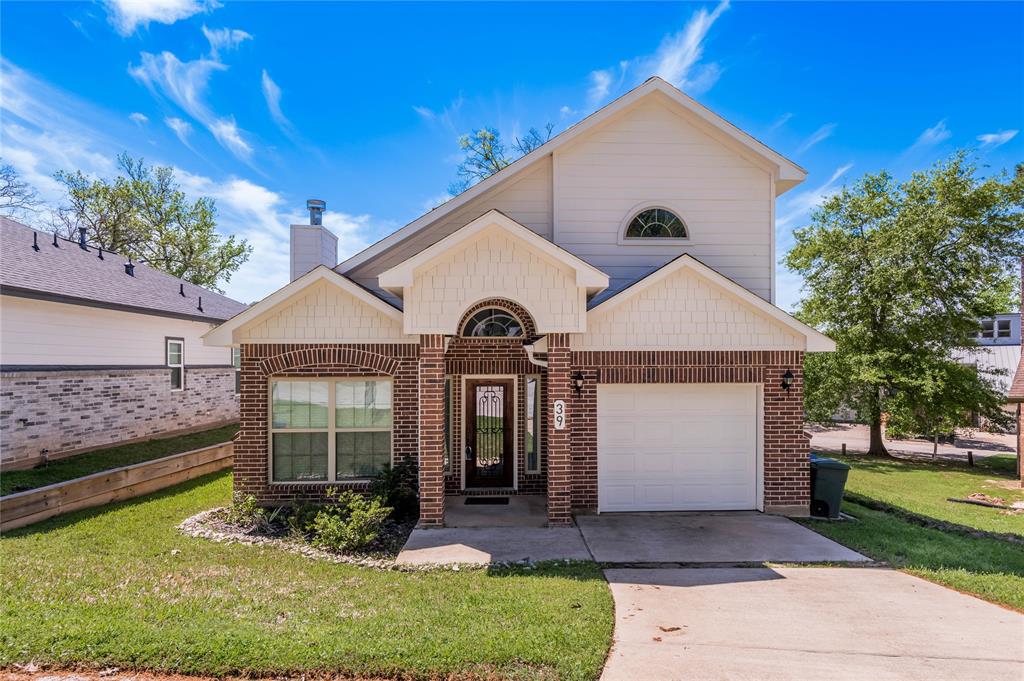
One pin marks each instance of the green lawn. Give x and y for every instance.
(923, 488)
(112, 457)
(988, 567)
(119, 586)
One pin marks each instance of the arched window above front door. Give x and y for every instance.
(493, 322)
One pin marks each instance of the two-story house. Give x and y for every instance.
(593, 324)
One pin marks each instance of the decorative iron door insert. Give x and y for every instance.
(490, 414)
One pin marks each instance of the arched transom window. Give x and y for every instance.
(656, 223)
(493, 322)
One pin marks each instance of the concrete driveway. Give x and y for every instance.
(733, 537)
(794, 624)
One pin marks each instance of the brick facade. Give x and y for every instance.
(262, 362)
(568, 457)
(786, 472)
(61, 413)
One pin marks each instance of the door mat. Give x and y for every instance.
(486, 501)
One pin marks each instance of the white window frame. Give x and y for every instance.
(180, 365)
(623, 240)
(236, 361)
(332, 429)
(1003, 328)
(538, 408)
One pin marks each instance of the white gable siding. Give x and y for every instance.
(36, 332)
(649, 155)
(527, 200)
(323, 313)
(684, 311)
(493, 265)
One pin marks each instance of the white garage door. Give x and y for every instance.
(677, 447)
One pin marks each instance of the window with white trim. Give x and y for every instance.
(533, 406)
(236, 361)
(175, 351)
(994, 328)
(329, 430)
(656, 223)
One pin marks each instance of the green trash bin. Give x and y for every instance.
(828, 479)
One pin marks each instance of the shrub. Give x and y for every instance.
(244, 512)
(352, 522)
(398, 487)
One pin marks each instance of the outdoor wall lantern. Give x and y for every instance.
(787, 379)
(577, 382)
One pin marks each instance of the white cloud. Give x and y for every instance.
(425, 113)
(185, 84)
(677, 59)
(934, 135)
(127, 15)
(819, 135)
(600, 84)
(181, 128)
(567, 111)
(781, 121)
(272, 93)
(139, 118)
(435, 201)
(794, 208)
(224, 39)
(996, 139)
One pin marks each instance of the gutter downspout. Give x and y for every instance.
(532, 348)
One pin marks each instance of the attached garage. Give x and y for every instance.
(677, 447)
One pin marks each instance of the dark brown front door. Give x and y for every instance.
(489, 418)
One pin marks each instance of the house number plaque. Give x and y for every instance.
(559, 414)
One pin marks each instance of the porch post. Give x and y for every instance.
(559, 454)
(431, 430)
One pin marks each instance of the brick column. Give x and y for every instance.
(787, 477)
(431, 430)
(559, 452)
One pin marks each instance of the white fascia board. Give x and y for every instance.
(789, 173)
(401, 275)
(815, 340)
(223, 335)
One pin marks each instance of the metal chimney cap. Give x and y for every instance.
(316, 209)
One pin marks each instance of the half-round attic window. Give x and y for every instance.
(493, 322)
(656, 223)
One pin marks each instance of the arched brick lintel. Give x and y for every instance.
(294, 359)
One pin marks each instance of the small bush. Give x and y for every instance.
(398, 487)
(244, 512)
(352, 522)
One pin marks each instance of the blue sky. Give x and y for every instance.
(262, 105)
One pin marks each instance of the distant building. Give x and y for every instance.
(96, 350)
(998, 349)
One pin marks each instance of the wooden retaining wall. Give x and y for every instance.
(25, 508)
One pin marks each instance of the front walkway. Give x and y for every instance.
(793, 624)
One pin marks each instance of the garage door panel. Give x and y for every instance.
(677, 447)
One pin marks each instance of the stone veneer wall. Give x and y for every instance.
(74, 410)
(786, 470)
(261, 362)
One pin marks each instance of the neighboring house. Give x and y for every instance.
(998, 351)
(594, 324)
(95, 350)
(1015, 395)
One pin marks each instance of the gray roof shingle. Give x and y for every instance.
(68, 272)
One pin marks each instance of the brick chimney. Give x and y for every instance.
(312, 244)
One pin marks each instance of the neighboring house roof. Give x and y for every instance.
(816, 341)
(1002, 358)
(587, 276)
(223, 334)
(788, 174)
(1016, 393)
(69, 274)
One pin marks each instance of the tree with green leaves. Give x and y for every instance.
(485, 154)
(899, 274)
(144, 214)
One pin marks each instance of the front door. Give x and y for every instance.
(490, 414)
